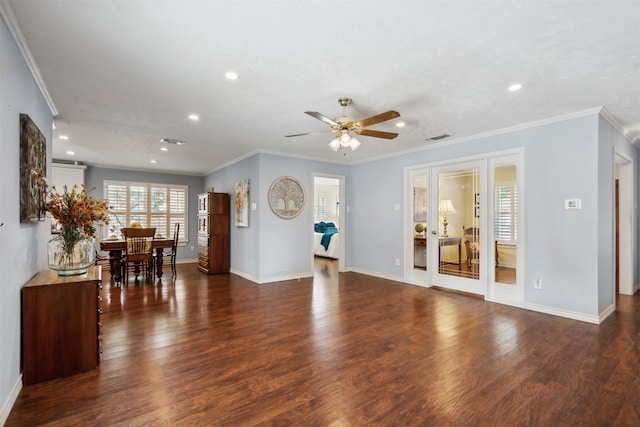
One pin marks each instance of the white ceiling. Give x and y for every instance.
(123, 74)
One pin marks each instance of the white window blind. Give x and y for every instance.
(506, 212)
(152, 205)
(320, 206)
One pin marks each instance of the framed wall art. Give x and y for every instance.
(286, 197)
(242, 203)
(33, 166)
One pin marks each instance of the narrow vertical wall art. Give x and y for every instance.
(242, 203)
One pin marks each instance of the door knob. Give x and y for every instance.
(434, 232)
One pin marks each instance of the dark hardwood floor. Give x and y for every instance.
(341, 350)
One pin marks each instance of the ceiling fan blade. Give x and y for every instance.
(376, 133)
(382, 117)
(311, 133)
(321, 117)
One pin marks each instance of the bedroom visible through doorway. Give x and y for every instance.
(328, 221)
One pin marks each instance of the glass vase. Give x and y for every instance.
(70, 256)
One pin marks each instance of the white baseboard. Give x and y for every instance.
(564, 313)
(274, 278)
(243, 275)
(186, 261)
(606, 312)
(11, 400)
(377, 274)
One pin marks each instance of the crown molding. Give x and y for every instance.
(273, 153)
(522, 126)
(605, 114)
(10, 19)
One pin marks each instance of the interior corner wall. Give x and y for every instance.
(22, 246)
(244, 247)
(560, 163)
(95, 177)
(272, 248)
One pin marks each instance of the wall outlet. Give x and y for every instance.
(537, 282)
(397, 262)
(193, 248)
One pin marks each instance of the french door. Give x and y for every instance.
(464, 226)
(457, 201)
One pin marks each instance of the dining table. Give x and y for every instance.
(117, 246)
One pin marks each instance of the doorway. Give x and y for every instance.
(328, 220)
(623, 257)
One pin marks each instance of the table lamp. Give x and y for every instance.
(445, 207)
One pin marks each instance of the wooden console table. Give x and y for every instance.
(60, 325)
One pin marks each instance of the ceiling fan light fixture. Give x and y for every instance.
(355, 144)
(345, 139)
(335, 144)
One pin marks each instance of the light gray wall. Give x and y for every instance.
(22, 246)
(95, 177)
(272, 247)
(244, 250)
(561, 161)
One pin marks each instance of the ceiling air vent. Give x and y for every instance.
(439, 137)
(173, 141)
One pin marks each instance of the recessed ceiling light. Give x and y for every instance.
(164, 149)
(153, 161)
(65, 137)
(231, 75)
(194, 117)
(400, 124)
(71, 153)
(514, 87)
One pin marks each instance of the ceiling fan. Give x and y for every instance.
(344, 125)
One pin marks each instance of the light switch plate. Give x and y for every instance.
(573, 204)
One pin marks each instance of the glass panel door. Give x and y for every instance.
(459, 255)
(505, 223)
(419, 222)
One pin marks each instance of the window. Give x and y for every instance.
(152, 205)
(320, 206)
(506, 210)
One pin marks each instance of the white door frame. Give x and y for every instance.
(341, 219)
(412, 275)
(625, 205)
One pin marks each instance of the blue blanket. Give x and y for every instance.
(326, 239)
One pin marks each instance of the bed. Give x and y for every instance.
(326, 242)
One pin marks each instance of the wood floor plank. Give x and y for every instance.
(340, 350)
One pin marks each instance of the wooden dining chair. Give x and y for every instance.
(138, 252)
(471, 238)
(171, 255)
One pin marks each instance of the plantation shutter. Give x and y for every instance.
(506, 208)
(152, 205)
(320, 206)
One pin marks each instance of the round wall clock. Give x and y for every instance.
(286, 197)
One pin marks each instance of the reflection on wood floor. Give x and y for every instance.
(344, 350)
